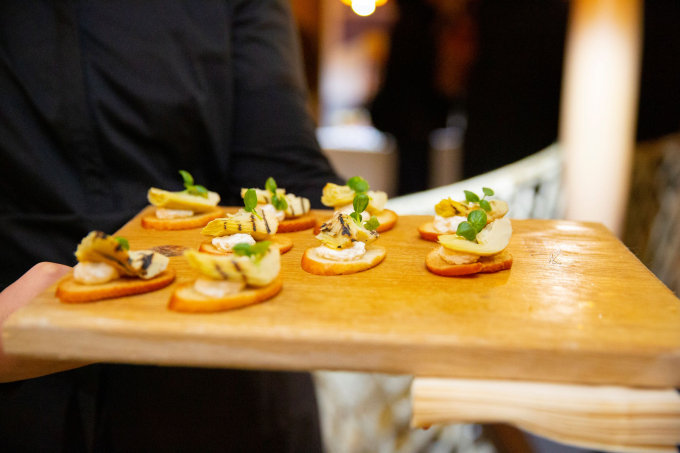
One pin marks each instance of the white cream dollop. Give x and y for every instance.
(453, 257)
(348, 209)
(280, 215)
(163, 213)
(217, 288)
(90, 273)
(226, 243)
(348, 254)
(448, 224)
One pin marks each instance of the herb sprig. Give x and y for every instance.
(278, 201)
(124, 244)
(476, 221)
(472, 197)
(360, 204)
(250, 202)
(191, 188)
(257, 251)
(358, 184)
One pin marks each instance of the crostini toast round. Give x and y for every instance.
(70, 291)
(486, 264)
(199, 220)
(186, 299)
(303, 222)
(428, 232)
(314, 264)
(283, 244)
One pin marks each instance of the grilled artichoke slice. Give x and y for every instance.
(335, 196)
(297, 206)
(182, 200)
(263, 196)
(243, 222)
(450, 208)
(99, 247)
(237, 268)
(341, 231)
(491, 240)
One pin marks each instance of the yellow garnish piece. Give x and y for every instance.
(491, 240)
(181, 200)
(238, 268)
(244, 222)
(341, 231)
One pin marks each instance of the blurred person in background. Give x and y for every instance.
(431, 45)
(101, 101)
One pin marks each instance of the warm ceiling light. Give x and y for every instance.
(363, 7)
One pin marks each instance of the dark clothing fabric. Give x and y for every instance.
(100, 101)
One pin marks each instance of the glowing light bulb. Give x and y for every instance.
(363, 7)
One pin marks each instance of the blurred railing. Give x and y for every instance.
(531, 187)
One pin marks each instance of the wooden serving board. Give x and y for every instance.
(576, 307)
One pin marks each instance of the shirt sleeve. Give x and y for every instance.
(273, 132)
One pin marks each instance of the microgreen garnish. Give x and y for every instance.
(258, 250)
(360, 204)
(476, 221)
(250, 202)
(472, 197)
(358, 184)
(191, 188)
(124, 244)
(279, 201)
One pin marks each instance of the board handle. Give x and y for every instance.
(606, 418)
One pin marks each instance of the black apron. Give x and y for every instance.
(100, 101)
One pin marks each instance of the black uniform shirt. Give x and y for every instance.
(99, 101)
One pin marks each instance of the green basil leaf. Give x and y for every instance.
(270, 185)
(485, 205)
(471, 196)
(360, 202)
(477, 219)
(198, 190)
(188, 179)
(124, 244)
(488, 192)
(467, 231)
(258, 250)
(372, 223)
(356, 216)
(358, 184)
(250, 202)
(279, 202)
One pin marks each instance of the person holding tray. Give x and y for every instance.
(99, 103)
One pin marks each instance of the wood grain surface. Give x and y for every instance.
(576, 307)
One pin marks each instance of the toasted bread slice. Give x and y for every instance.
(70, 291)
(386, 218)
(486, 264)
(186, 299)
(314, 264)
(428, 232)
(303, 222)
(199, 220)
(278, 242)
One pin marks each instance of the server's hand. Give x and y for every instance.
(15, 296)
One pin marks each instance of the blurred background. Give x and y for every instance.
(426, 97)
